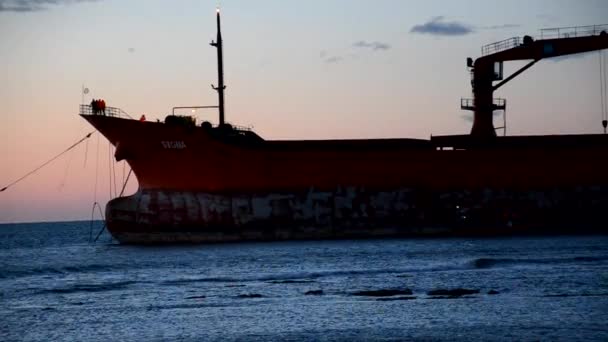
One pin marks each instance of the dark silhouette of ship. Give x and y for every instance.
(206, 183)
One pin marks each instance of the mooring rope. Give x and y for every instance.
(605, 85)
(125, 183)
(124, 163)
(47, 162)
(111, 181)
(110, 168)
(603, 89)
(113, 160)
(95, 193)
(86, 153)
(602, 76)
(98, 206)
(65, 172)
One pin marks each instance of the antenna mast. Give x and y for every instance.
(220, 70)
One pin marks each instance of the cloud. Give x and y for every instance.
(501, 27)
(342, 56)
(334, 59)
(34, 5)
(375, 46)
(439, 27)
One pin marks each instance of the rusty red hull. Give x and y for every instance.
(207, 185)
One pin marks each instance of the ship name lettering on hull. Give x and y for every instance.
(174, 145)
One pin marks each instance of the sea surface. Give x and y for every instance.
(55, 285)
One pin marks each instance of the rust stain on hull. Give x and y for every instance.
(156, 216)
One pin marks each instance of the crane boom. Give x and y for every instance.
(547, 48)
(488, 68)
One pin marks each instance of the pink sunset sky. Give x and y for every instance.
(294, 70)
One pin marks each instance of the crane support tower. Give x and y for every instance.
(488, 68)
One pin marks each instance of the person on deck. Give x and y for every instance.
(94, 106)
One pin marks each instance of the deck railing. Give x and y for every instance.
(469, 104)
(573, 32)
(242, 128)
(549, 33)
(500, 46)
(108, 111)
(119, 113)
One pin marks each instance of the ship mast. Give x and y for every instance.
(220, 70)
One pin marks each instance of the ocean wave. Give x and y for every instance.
(176, 306)
(383, 293)
(188, 306)
(307, 277)
(88, 288)
(184, 281)
(575, 295)
(292, 281)
(481, 263)
(18, 272)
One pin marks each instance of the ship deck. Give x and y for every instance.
(463, 142)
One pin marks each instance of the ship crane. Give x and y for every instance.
(488, 68)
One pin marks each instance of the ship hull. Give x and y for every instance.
(207, 185)
(156, 216)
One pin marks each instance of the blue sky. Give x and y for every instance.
(294, 70)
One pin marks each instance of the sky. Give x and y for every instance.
(293, 69)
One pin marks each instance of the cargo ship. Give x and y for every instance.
(219, 183)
